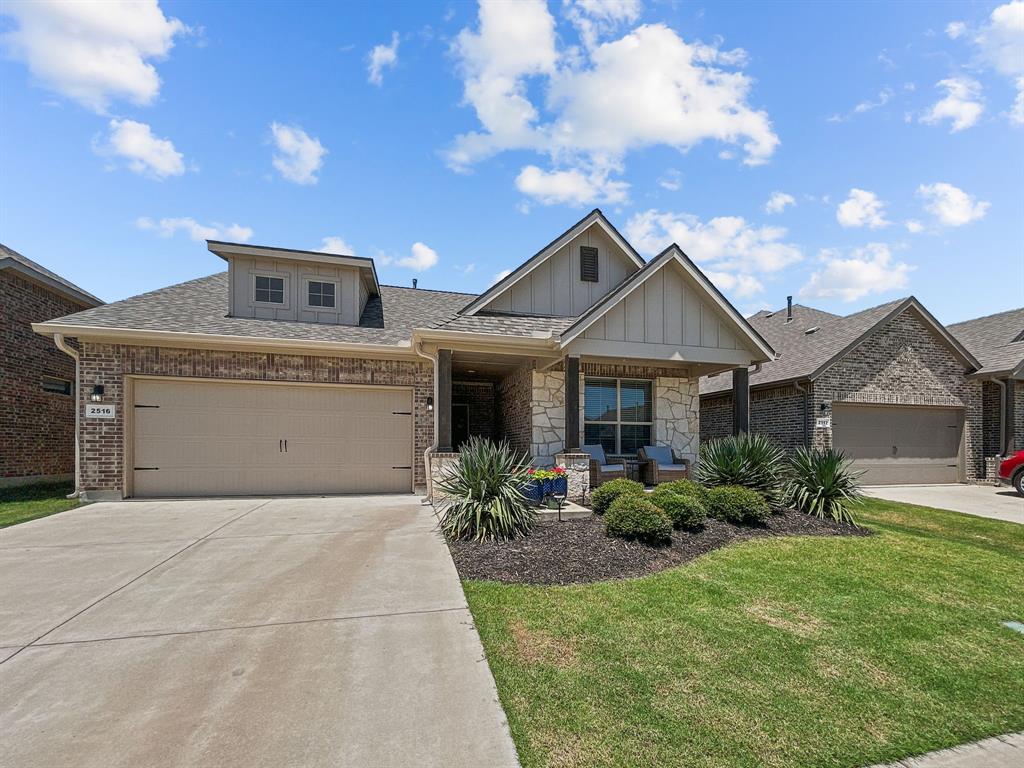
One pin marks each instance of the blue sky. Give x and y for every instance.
(450, 141)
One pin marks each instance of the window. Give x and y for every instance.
(618, 414)
(588, 264)
(57, 386)
(319, 294)
(269, 290)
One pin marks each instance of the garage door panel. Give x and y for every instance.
(900, 445)
(210, 438)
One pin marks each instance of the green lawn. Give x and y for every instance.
(788, 652)
(18, 505)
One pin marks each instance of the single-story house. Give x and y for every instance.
(998, 343)
(37, 381)
(297, 372)
(886, 385)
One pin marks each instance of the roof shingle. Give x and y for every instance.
(991, 340)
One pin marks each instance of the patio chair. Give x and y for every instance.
(600, 470)
(661, 465)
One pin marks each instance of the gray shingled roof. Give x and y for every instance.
(801, 354)
(991, 340)
(52, 278)
(200, 306)
(506, 324)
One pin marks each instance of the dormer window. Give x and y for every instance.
(588, 264)
(320, 294)
(268, 290)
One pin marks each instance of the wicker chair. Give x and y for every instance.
(600, 470)
(661, 465)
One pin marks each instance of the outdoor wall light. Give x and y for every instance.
(97, 393)
(826, 407)
(430, 403)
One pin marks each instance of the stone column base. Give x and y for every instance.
(437, 463)
(577, 468)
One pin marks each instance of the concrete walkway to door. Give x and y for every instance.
(242, 632)
(998, 503)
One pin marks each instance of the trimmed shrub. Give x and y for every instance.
(687, 487)
(684, 509)
(482, 495)
(633, 516)
(736, 504)
(753, 461)
(822, 483)
(601, 498)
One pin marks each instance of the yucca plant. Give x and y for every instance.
(481, 496)
(751, 461)
(822, 483)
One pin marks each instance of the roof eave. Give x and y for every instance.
(75, 294)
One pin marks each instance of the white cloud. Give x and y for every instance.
(671, 180)
(1000, 42)
(742, 286)
(93, 51)
(778, 201)
(913, 226)
(955, 29)
(884, 96)
(421, 259)
(722, 244)
(868, 270)
(598, 18)
(336, 245)
(167, 227)
(299, 156)
(666, 92)
(1016, 113)
(950, 205)
(861, 209)
(146, 154)
(501, 276)
(572, 186)
(962, 104)
(380, 58)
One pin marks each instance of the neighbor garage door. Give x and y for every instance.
(900, 445)
(197, 438)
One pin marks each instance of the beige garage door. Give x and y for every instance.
(900, 445)
(194, 438)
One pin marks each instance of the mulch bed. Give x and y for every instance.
(579, 552)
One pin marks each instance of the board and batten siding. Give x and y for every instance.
(350, 293)
(665, 309)
(554, 286)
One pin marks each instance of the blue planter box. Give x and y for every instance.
(559, 486)
(534, 491)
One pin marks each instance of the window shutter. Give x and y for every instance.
(588, 264)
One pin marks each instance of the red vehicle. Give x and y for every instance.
(1011, 471)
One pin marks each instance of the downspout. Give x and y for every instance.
(58, 340)
(803, 391)
(418, 349)
(1002, 413)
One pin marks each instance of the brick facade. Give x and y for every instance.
(478, 397)
(37, 428)
(902, 363)
(102, 441)
(513, 408)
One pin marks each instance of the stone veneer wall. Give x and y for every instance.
(547, 403)
(102, 440)
(37, 428)
(512, 400)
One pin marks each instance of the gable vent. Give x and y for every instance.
(588, 264)
(809, 331)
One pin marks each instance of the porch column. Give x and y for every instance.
(572, 404)
(1009, 419)
(740, 400)
(443, 406)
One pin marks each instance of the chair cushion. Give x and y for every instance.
(660, 453)
(613, 467)
(596, 452)
(672, 467)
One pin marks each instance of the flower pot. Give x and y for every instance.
(559, 486)
(547, 484)
(533, 490)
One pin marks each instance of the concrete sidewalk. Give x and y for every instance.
(249, 632)
(999, 752)
(996, 503)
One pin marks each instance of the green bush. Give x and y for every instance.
(633, 516)
(602, 497)
(822, 483)
(736, 504)
(481, 495)
(687, 487)
(684, 509)
(753, 461)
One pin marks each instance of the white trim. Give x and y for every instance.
(271, 274)
(304, 298)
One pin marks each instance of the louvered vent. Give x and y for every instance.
(588, 264)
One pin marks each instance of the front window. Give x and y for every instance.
(269, 290)
(618, 414)
(320, 294)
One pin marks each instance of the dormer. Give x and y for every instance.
(305, 286)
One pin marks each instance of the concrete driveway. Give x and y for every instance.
(998, 503)
(285, 632)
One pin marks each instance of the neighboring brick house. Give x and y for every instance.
(297, 372)
(887, 385)
(998, 343)
(37, 414)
